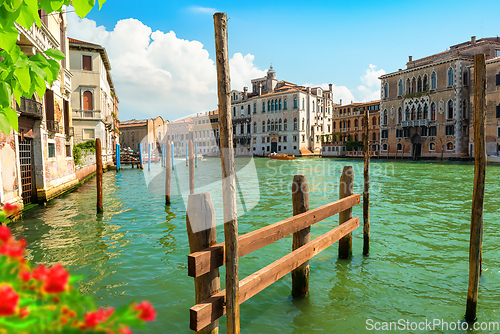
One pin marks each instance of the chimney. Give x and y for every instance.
(245, 93)
(330, 86)
(473, 40)
(410, 58)
(340, 101)
(308, 90)
(260, 88)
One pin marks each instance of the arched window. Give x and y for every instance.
(295, 123)
(425, 84)
(374, 136)
(313, 106)
(449, 146)
(279, 125)
(408, 86)
(280, 105)
(303, 103)
(400, 115)
(426, 111)
(348, 123)
(263, 126)
(362, 122)
(413, 85)
(285, 125)
(464, 109)
(276, 104)
(400, 87)
(334, 125)
(400, 147)
(272, 125)
(450, 109)
(272, 105)
(433, 111)
(303, 125)
(88, 100)
(133, 137)
(268, 105)
(433, 80)
(295, 103)
(254, 127)
(268, 125)
(254, 108)
(386, 90)
(374, 121)
(234, 111)
(356, 137)
(242, 129)
(263, 107)
(466, 78)
(284, 104)
(412, 114)
(248, 109)
(386, 120)
(419, 112)
(450, 77)
(419, 84)
(355, 123)
(432, 146)
(407, 114)
(384, 147)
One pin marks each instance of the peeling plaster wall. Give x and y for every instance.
(8, 159)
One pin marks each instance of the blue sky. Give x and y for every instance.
(307, 42)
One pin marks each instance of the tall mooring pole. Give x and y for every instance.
(228, 174)
(98, 172)
(366, 188)
(476, 228)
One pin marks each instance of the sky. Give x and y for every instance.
(162, 52)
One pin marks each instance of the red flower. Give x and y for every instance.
(22, 243)
(25, 275)
(4, 233)
(11, 249)
(94, 318)
(147, 312)
(40, 273)
(8, 300)
(24, 312)
(10, 209)
(56, 280)
(125, 330)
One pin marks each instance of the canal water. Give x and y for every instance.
(417, 268)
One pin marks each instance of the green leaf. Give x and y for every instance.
(12, 5)
(39, 86)
(83, 7)
(33, 6)
(101, 2)
(54, 53)
(5, 94)
(12, 117)
(8, 37)
(17, 90)
(23, 77)
(4, 124)
(51, 5)
(26, 17)
(15, 53)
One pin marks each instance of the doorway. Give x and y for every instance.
(26, 166)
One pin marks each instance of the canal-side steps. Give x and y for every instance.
(207, 256)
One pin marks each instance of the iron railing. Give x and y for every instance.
(52, 126)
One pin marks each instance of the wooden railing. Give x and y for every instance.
(203, 264)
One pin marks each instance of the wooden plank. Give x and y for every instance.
(204, 261)
(300, 201)
(200, 223)
(366, 189)
(228, 173)
(476, 229)
(346, 190)
(213, 308)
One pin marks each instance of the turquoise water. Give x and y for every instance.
(417, 268)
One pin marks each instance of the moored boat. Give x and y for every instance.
(493, 158)
(281, 156)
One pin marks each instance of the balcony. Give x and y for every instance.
(52, 126)
(420, 122)
(30, 107)
(69, 131)
(87, 114)
(67, 80)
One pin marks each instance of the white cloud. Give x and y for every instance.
(371, 88)
(157, 73)
(203, 10)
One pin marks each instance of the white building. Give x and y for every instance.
(279, 116)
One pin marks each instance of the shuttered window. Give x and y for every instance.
(87, 63)
(88, 103)
(498, 79)
(49, 105)
(498, 111)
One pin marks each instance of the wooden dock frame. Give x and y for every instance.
(206, 261)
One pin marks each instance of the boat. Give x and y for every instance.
(493, 158)
(281, 156)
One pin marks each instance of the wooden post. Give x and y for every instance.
(191, 167)
(346, 189)
(149, 156)
(300, 200)
(140, 156)
(388, 148)
(228, 174)
(476, 230)
(118, 161)
(200, 221)
(196, 154)
(98, 172)
(168, 174)
(187, 153)
(172, 154)
(403, 153)
(442, 151)
(366, 192)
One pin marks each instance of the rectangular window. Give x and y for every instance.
(498, 132)
(68, 151)
(399, 133)
(49, 105)
(498, 79)
(498, 111)
(52, 150)
(450, 130)
(424, 131)
(88, 134)
(385, 134)
(432, 131)
(497, 53)
(87, 63)
(285, 138)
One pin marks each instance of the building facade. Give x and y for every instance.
(94, 99)
(348, 130)
(146, 131)
(425, 107)
(206, 134)
(279, 116)
(36, 161)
